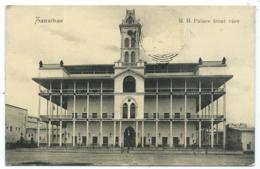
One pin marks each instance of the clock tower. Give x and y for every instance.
(130, 30)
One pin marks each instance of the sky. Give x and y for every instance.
(90, 35)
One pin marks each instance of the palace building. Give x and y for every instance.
(133, 103)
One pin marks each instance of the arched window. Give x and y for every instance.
(132, 111)
(133, 42)
(129, 84)
(133, 58)
(126, 57)
(126, 43)
(125, 111)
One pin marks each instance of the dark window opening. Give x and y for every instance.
(153, 141)
(132, 110)
(126, 43)
(126, 57)
(133, 58)
(146, 115)
(166, 115)
(164, 141)
(117, 140)
(177, 115)
(188, 141)
(94, 139)
(94, 115)
(125, 110)
(133, 42)
(248, 146)
(84, 139)
(188, 115)
(176, 141)
(84, 115)
(129, 84)
(105, 141)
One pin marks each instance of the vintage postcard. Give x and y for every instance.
(130, 85)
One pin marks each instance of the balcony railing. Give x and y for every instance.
(177, 90)
(147, 90)
(147, 116)
(78, 91)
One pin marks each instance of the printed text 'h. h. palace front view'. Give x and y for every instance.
(132, 103)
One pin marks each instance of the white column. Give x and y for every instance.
(200, 112)
(224, 134)
(101, 99)
(101, 112)
(200, 134)
(120, 131)
(171, 112)
(212, 133)
(212, 99)
(142, 133)
(49, 137)
(87, 135)
(217, 123)
(47, 124)
(60, 133)
(51, 114)
(185, 113)
(157, 108)
(74, 116)
(136, 133)
(114, 141)
(224, 102)
(209, 111)
(101, 133)
(88, 100)
(61, 107)
(156, 133)
(51, 105)
(171, 138)
(39, 119)
(48, 107)
(157, 114)
(224, 120)
(61, 101)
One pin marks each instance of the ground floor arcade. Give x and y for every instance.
(133, 133)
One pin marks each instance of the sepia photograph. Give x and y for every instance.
(130, 85)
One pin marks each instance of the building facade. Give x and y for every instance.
(132, 103)
(240, 137)
(15, 123)
(32, 131)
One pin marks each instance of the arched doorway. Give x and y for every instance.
(129, 137)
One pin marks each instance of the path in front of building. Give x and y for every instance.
(14, 157)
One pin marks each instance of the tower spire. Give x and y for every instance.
(130, 30)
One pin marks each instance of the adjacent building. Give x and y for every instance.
(240, 137)
(15, 123)
(133, 103)
(32, 131)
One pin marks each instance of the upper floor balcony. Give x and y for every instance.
(174, 91)
(77, 91)
(147, 117)
(181, 91)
